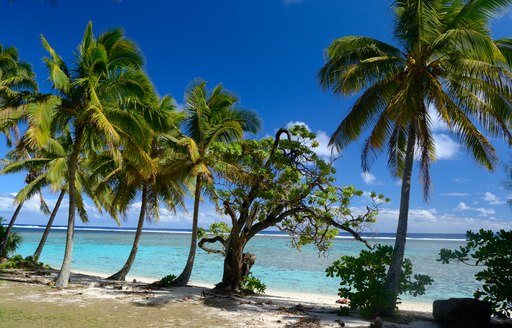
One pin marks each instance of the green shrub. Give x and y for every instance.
(27, 263)
(252, 285)
(492, 251)
(14, 240)
(343, 311)
(167, 280)
(363, 277)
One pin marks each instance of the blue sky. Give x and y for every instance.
(268, 52)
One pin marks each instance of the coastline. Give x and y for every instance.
(297, 297)
(26, 300)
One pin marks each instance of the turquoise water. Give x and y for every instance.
(278, 265)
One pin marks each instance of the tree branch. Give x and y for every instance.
(213, 240)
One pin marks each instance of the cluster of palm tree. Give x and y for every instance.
(104, 132)
(447, 67)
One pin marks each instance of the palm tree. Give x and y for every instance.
(211, 118)
(447, 65)
(99, 100)
(125, 179)
(16, 84)
(48, 167)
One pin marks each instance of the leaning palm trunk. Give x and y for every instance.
(65, 270)
(392, 283)
(184, 277)
(121, 274)
(3, 244)
(49, 225)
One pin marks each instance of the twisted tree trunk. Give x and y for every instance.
(392, 283)
(121, 274)
(46, 232)
(4, 242)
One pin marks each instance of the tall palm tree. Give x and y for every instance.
(48, 168)
(99, 100)
(16, 84)
(447, 65)
(130, 175)
(211, 117)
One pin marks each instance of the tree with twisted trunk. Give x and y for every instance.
(279, 182)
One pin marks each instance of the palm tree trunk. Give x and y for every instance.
(65, 270)
(184, 277)
(46, 232)
(3, 244)
(395, 269)
(121, 274)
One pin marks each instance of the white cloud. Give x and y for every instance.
(323, 149)
(431, 221)
(456, 194)
(483, 211)
(493, 199)
(369, 178)
(446, 148)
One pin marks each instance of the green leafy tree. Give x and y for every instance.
(363, 278)
(278, 182)
(212, 117)
(448, 68)
(491, 251)
(100, 100)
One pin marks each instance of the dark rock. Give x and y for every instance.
(462, 312)
(377, 323)
(500, 323)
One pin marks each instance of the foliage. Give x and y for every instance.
(343, 311)
(281, 182)
(491, 251)
(167, 280)
(363, 277)
(27, 263)
(14, 240)
(445, 66)
(252, 285)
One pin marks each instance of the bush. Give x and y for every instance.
(167, 280)
(14, 240)
(363, 277)
(252, 285)
(493, 252)
(27, 263)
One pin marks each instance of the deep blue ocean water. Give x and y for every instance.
(280, 267)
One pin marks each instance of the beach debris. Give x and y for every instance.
(462, 312)
(305, 322)
(376, 323)
(340, 322)
(134, 280)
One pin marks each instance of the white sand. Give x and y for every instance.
(274, 308)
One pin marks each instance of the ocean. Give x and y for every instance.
(278, 265)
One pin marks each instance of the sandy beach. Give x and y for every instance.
(26, 300)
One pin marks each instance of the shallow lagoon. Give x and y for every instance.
(278, 265)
